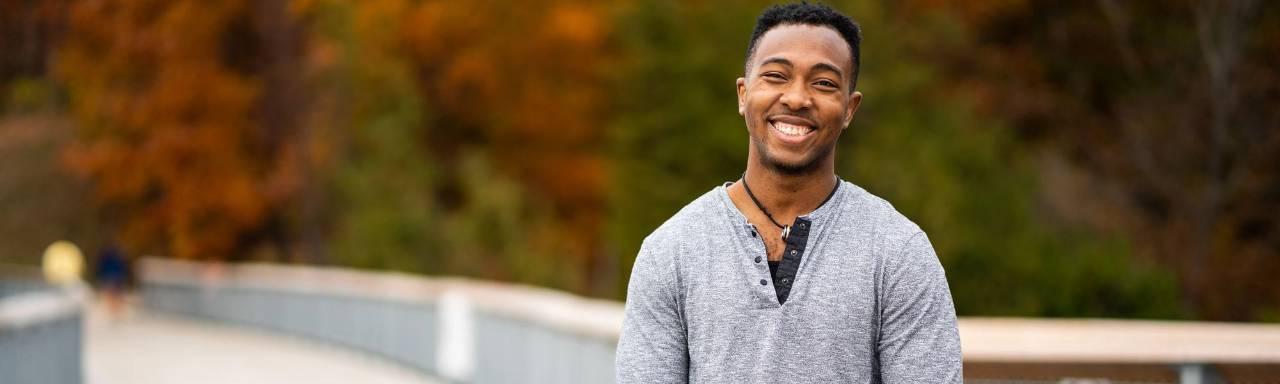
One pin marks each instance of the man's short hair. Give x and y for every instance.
(804, 13)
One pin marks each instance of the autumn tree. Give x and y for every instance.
(185, 111)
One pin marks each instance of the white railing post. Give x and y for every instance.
(455, 353)
(1197, 373)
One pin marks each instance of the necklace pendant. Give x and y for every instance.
(786, 231)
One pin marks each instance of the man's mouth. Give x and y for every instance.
(790, 129)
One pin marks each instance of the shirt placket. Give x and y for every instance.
(792, 254)
(760, 269)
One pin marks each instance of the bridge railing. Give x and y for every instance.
(484, 332)
(459, 329)
(41, 331)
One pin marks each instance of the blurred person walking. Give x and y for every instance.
(112, 277)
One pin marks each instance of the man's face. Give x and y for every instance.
(796, 98)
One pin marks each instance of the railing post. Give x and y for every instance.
(1197, 373)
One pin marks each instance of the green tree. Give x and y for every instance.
(676, 133)
(378, 183)
(1155, 121)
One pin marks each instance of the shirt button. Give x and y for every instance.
(786, 281)
(793, 252)
(763, 282)
(801, 225)
(757, 259)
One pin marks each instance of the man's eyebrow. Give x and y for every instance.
(818, 66)
(829, 67)
(776, 60)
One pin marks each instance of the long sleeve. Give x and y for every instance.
(919, 339)
(652, 347)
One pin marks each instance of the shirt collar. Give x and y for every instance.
(817, 215)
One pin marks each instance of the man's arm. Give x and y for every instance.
(652, 347)
(919, 340)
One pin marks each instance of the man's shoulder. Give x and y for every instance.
(868, 212)
(689, 223)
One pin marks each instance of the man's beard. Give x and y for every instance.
(806, 166)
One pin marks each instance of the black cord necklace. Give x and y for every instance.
(786, 229)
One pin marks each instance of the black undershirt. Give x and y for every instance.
(783, 272)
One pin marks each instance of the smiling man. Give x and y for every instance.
(789, 274)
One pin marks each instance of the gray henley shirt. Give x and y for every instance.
(867, 303)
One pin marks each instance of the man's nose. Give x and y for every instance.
(796, 97)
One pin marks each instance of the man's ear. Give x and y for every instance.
(855, 99)
(742, 100)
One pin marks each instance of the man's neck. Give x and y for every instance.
(787, 196)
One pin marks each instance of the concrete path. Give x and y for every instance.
(137, 347)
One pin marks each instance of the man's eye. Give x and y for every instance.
(828, 84)
(774, 75)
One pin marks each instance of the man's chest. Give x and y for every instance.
(732, 319)
(832, 290)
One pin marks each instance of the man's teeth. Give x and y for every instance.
(791, 129)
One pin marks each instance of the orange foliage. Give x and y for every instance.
(188, 135)
(168, 130)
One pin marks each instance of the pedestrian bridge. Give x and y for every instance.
(263, 323)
